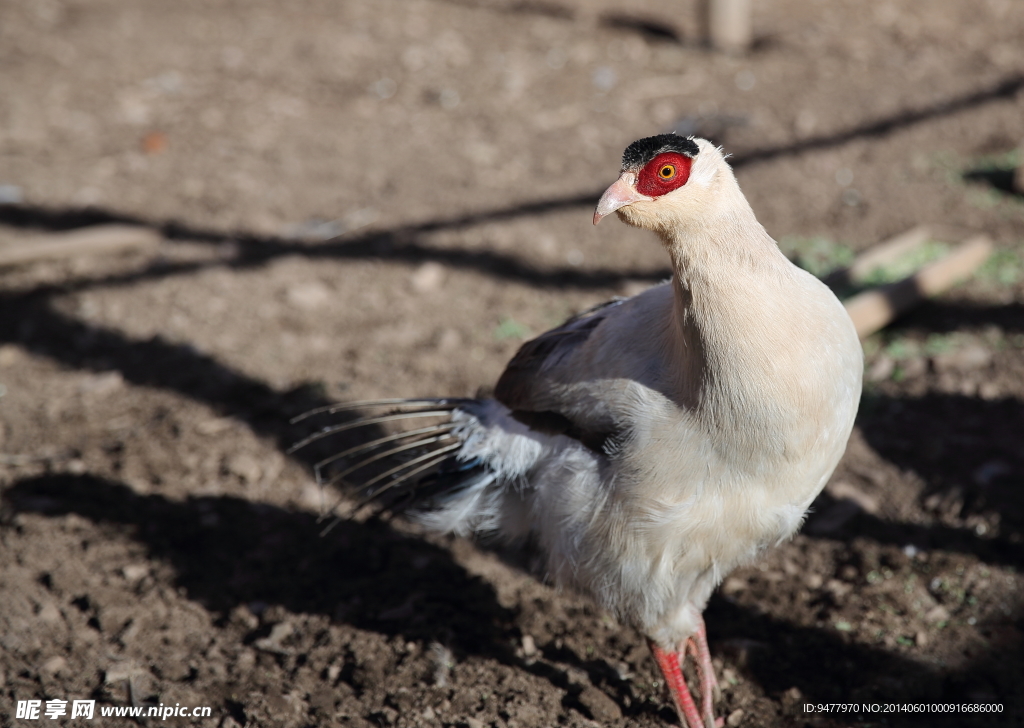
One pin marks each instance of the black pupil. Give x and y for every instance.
(666, 171)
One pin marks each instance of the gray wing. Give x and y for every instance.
(522, 389)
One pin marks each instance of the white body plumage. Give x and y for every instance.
(650, 529)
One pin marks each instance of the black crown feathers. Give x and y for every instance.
(644, 150)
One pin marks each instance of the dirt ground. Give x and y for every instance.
(384, 198)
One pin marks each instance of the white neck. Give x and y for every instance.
(721, 327)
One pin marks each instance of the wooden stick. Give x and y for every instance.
(727, 24)
(875, 257)
(887, 252)
(877, 307)
(83, 241)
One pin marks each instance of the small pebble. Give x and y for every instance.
(134, 572)
(735, 718)
(244, 466)
(881, 370)
(120, 671)
(967, 359)
(49, 613)
(9, 354)
(214, 427)
(308, 295)
(11, 195)
(449, 340)
(601, 707)
(529, 646)
(428, 278)
(733, 585)
(989, 390)
(101, 384)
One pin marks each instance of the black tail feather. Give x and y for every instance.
(399, 471)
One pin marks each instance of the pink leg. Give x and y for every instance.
(705, 673)
(672, 671)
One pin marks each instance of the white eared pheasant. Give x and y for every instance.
(653, 444)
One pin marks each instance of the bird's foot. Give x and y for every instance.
(709, 690)
(671, 665)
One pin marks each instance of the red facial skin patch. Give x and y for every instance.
(666, 172)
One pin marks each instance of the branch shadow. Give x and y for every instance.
(1006, 88)
(828, 666)
(969, 452)
(543, 8)
(941, 317)
(31, 322)
(650, 28)
(998, 179)
(228, 551)
(857, 524)
(398, 243)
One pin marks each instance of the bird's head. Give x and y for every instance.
(663, 178)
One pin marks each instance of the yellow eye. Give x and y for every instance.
(667, 171)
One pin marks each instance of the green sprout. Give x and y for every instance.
(818, 256)
(509, 328)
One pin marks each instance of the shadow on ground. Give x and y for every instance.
(400, 244)
(228, 551)
(968, 451)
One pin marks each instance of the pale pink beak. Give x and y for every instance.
(621, 193)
